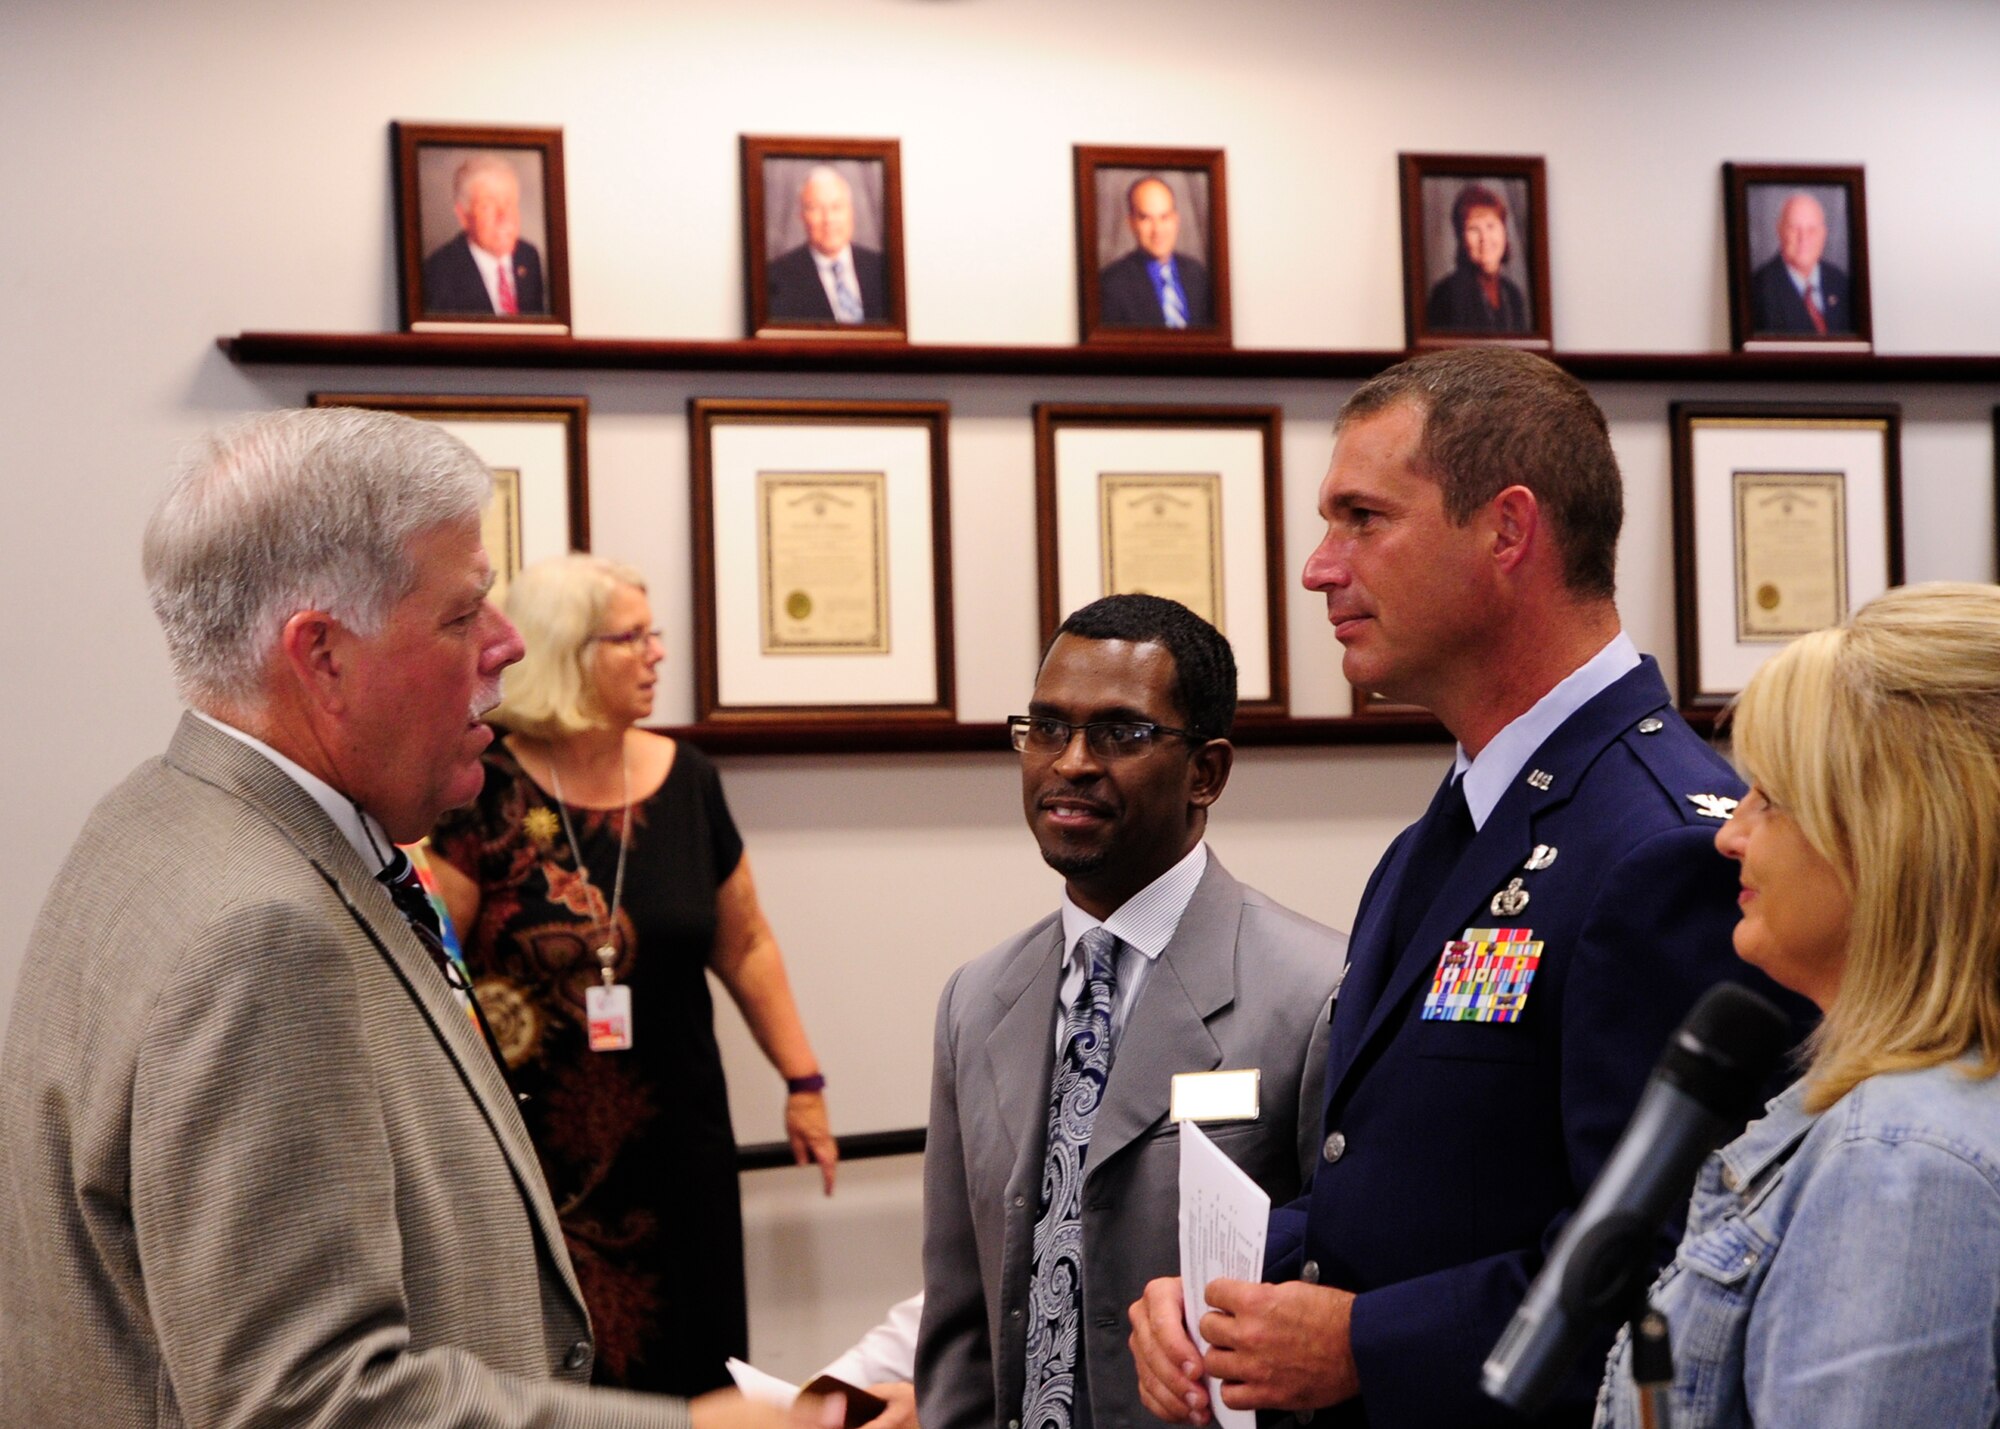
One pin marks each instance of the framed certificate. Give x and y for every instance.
(534, 446)
(822, 562)
(1786, 520)
(1181, 502)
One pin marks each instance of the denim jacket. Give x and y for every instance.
(1841, 1269)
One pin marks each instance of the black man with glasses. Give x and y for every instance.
(1051, 1186)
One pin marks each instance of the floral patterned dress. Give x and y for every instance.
(637, 1145)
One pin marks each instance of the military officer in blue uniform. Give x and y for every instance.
(1520, 955)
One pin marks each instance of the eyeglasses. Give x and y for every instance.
(630, 639)
(1105, 738)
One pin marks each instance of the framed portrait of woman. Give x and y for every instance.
(1475, 250)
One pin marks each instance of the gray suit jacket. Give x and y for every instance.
(255, 1162)
(1243, 983)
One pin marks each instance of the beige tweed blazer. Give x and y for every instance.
(256, 1165)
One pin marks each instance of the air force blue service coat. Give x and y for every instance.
(1453, 1151)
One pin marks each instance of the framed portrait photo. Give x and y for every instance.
(823, 237)
(1175, 501)
(481, 241)
(534, 446)
(1475, 250)
(1798, 258)
(1152, 246)
(1787, 519)
(822, 562)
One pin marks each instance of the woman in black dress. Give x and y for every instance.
(594, 883)
(1476, 296)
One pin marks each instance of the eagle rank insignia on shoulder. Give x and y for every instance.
(1713, 806)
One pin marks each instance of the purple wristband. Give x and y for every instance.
(814, 1083)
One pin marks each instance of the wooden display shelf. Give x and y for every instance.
(874, 356)
(859, 355)
(1267, 732)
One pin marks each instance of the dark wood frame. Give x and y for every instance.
(1996, 488)
(1736, 182)
(754, 150)
(1414, 169)
(572, 412)
(796, 356)
(1268, 421)
(1088, 159)
(405, 140)
(704, 413)
(1682, 417)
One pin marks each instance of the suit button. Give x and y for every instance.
(1013, 1424)
(578, 1356)
(1020, 1201)
(1309, 1272)
(1335, 1148)
(1013, 1314)
(1305, 1416)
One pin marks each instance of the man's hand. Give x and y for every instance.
(1170, 1367)
(727, 1409)
(1280, 1346)
(901, 1397)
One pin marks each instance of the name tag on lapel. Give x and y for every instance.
(1216, 1096)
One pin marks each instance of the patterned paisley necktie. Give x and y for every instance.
(1055, 1286)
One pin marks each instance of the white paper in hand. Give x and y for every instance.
(1224, 1217)
(761, 1387)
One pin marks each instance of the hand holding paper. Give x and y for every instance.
(1223, 1220)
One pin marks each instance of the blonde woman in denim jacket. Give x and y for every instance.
(1841, 1265)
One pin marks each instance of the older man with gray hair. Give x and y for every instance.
(258, 1161)
(488, 269)
(829, 278)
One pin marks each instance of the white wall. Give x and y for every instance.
(177, 171)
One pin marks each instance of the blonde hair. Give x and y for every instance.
(557, 605)
(1882, 739)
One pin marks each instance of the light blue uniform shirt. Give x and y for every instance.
(1487, 777)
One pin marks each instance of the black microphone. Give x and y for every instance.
(1708, 1083)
